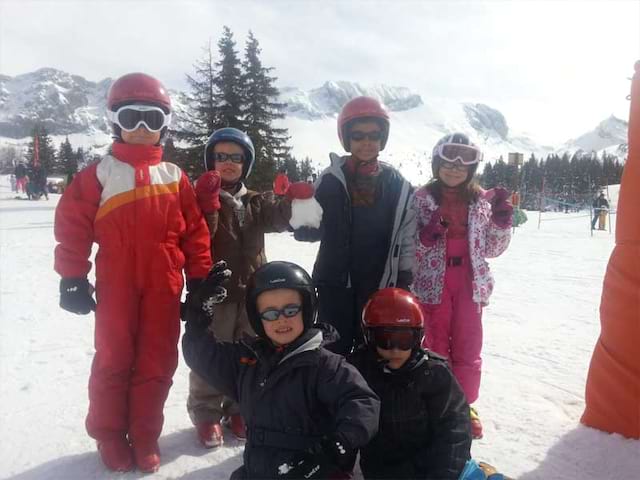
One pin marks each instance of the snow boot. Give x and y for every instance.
(210, 434)
(481, 471)
(476, 424)
(116, 454)
(147, 456)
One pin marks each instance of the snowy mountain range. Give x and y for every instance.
(70, 105)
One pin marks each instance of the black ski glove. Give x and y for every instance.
(76, 295)
(405, 279)
(307, 465)
(307, 234)
(330, 458)
(202, 295)
(339, 452)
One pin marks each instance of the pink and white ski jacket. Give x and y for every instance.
(486, 240)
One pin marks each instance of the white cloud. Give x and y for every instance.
(553, 68)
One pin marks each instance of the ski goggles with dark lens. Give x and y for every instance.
(130, 117)
(466, 154)
(358, 136)
(394, 338)
(229, 157)
(288, 311)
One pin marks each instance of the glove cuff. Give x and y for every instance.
(70, 282)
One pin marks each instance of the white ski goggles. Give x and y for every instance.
(130, 117)
(452, 152)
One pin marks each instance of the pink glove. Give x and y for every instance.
(300, 191)
(433, 231)
(501, 208)
(208, 191)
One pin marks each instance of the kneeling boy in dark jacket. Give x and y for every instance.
(306, 409)
(425, 430)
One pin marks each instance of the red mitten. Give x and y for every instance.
(208, 191)
(300, 191)
(433, 231)
(501, 208)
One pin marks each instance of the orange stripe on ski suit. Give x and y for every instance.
(612, 394)
(136, 194)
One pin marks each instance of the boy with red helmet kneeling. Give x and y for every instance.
(424, 429)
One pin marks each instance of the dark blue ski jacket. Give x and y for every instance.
(336, 233)
(289, 400)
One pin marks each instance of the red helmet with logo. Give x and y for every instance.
(138, 87)
(392, 307)
(362, 108)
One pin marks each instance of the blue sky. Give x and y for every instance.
(554, 68)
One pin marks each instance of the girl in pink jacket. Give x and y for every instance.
(459, 225)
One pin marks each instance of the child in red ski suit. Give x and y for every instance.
(459, 225)
(143, 214)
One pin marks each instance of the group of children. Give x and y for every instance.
(310, 371)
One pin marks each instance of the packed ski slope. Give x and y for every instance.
(539, 333)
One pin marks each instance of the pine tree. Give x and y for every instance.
(305, 168)
(229, 91)
(261, 111)
(215, 101)
(67, 159)
(46, 151)
(200, 119)
(488, 178)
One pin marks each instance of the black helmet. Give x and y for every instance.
(453, 139)
(274, 275)
(233, 135)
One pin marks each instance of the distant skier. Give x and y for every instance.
(459, 226)
(600, 206)
(368, 225)
(37, 186)
(21, 177)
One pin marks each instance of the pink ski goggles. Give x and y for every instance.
(130, 117)
(452, 152)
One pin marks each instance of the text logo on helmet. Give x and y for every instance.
(362, 108)
(138, 87)
(392, 307)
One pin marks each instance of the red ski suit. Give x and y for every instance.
(144, 216)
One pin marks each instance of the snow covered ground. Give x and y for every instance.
(539, 333)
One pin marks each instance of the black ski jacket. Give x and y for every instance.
(425, 430)
(289, 400)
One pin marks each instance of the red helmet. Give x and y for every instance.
(361, 108)
(392, 307)
(138, 87)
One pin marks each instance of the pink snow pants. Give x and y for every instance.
(453, 328)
